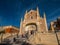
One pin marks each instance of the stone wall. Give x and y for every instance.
(58, 36)
(44, 39)
(49, 39)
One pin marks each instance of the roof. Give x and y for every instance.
(10, 26)
(4, 27)
(32, 11)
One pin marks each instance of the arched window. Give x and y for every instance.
(31, 17)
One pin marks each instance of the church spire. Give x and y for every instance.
(20, 32)
(25, 14)
(26, 11)
(44, 15)
(21, 20)
(38, 15)
(38, 12)
(45, 22)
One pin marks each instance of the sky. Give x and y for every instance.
(11, 11)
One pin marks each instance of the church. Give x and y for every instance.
(33, 22)
(35, 28)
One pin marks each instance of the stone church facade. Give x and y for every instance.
(33, 22)
(36, 28)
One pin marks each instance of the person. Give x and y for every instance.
(14, 39)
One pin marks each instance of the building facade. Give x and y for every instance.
(33, 22)
(55, 25)
(10, 29)
(35, 28)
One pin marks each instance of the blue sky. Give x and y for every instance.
(11, 11)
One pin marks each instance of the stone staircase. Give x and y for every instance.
(34, 39)
(43, 39)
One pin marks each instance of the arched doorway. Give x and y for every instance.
(30, 29)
